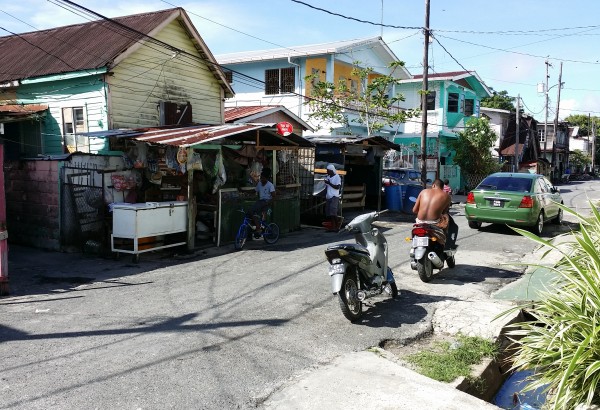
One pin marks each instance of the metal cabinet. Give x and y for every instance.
(145, 227)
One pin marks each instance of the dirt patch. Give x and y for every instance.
(401, 351)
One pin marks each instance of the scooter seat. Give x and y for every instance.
(350, 247)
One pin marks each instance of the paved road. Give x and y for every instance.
(222, 330)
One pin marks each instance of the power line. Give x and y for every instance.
(520, 53)
(356, 19)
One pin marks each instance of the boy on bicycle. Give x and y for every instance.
(266, 192)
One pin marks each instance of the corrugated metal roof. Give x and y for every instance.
(22, 109)
(256, 113)
(92, 45)
(295, 51)
(201, 134)
(72, 48)
(235, 113)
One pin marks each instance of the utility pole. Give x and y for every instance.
(546, 120)
(424, 98)
(593, 145)
(517, 134)
(556, 125)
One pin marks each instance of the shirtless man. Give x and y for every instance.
(432, 203)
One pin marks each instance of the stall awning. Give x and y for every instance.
(20, 112)
(191, 136)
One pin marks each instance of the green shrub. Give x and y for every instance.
(562, 343)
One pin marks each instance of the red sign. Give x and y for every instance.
(284, 128)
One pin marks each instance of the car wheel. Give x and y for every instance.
(539, 225)
(474, 224)
(559, 217)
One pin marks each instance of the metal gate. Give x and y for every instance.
(83, 209)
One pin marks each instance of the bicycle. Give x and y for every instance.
(269, 231)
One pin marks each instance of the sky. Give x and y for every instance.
(505, 42)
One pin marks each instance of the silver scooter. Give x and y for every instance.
(360, 270)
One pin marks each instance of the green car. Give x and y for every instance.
(514, 199)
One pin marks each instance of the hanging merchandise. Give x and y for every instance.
(255, 170)
(141, 150)
(283, 156)
(221, 174)
(171, 157)
(195, 162)
(182, 155)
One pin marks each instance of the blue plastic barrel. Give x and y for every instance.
(392, 198)
(411, 191)
(402, 194)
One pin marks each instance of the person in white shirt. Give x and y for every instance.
(333, 182)
(266, 192)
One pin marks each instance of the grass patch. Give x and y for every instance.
(446, 361)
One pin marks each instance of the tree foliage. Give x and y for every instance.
(583, 122)
(500, 100)
(369, 104)
(473, 148)
(578, 159)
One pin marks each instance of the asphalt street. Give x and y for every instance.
(223, 329)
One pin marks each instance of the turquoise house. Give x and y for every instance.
(453, 98)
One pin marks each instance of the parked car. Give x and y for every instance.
(516, 199)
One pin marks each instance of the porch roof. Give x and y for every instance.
(191, 136)
(19, 112)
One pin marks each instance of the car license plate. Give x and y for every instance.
(336, 269)
(420, 241)
(497, 203)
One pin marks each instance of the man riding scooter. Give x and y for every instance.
(434, 232)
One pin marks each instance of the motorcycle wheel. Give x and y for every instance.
(451, 262)
(425, 269)
(349, 303)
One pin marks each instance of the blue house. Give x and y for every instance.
(277, 77)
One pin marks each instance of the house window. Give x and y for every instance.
(431, 100)
(452, 102)
(541, 136)
(469, 105)
(280, 81)
(228, 76)
(74, 123)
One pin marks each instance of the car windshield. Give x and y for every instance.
(506, 183)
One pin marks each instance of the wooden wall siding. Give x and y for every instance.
(87, 92)
(152, 74)
(32, 203)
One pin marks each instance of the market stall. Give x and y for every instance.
(212, 169)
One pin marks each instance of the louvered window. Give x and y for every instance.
(279, 81)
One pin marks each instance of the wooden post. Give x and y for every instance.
(191, 209)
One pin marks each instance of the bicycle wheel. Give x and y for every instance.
(271, 233)
(240, 238)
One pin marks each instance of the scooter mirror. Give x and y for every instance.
(412, 198)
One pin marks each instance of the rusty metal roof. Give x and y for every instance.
(22, 109)
(72, 48)
(235, 113)
(201, 134)
(92, 45)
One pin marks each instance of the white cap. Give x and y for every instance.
(331, 167)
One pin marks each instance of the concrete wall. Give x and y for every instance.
(32, 203)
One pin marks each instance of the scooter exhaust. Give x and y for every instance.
(363, 295)
(435, 260)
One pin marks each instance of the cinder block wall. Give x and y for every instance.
(32, 203)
